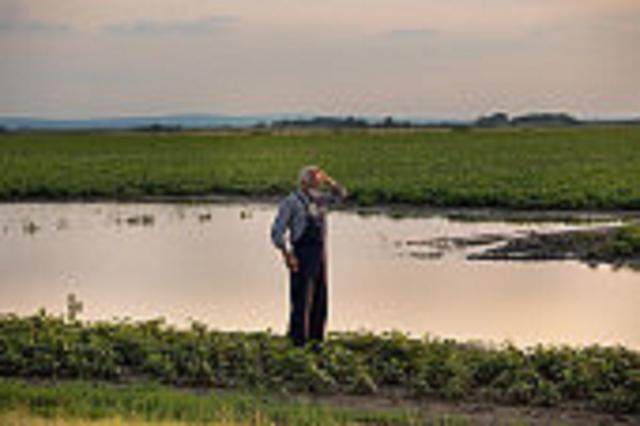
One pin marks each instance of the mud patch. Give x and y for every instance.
(618, 246)
(436, 248)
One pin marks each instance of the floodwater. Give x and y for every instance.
(214, 263)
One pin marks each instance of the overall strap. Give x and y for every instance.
(302, 200)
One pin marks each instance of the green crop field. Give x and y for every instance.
(601, 379)
(563, 168)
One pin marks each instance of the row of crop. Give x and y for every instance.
(45, 346)
(585, 168)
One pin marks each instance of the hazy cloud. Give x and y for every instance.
(174, 27)
(413, 32)
(629, 22)
(16, 25)
(455, 58)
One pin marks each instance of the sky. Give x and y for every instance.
(454, 59)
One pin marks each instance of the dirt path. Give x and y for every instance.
(482, 413)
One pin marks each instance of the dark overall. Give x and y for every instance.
(308, 291)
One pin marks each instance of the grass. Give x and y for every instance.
(564, 168)
(626, 242)
(78, 402)
(603, 379)
(617, 245)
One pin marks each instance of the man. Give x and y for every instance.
(302, 213)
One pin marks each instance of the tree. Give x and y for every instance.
(494, 120)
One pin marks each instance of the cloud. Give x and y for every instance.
(413, 32)
(628, 22)
(17, 25)
(189, 28)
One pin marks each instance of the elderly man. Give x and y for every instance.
(302, 213)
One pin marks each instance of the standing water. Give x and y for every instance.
(215, 264)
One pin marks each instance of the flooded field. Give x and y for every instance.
(214, 263)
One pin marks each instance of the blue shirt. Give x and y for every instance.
(292, 213)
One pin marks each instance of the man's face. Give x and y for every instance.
(312, 182)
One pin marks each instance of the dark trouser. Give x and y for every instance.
(308, 294)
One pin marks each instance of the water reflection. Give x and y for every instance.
(214, 263)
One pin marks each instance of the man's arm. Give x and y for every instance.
(280, 224)
(338, 192)
(278, 230)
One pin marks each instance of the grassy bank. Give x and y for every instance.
(78, 402)
(568, 168)
(604, 379)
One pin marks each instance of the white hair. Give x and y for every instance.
(307, 174)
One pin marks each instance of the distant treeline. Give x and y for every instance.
(160, 128)
(538, 119)
(499, 119)
(337, 121)
(494, 120)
